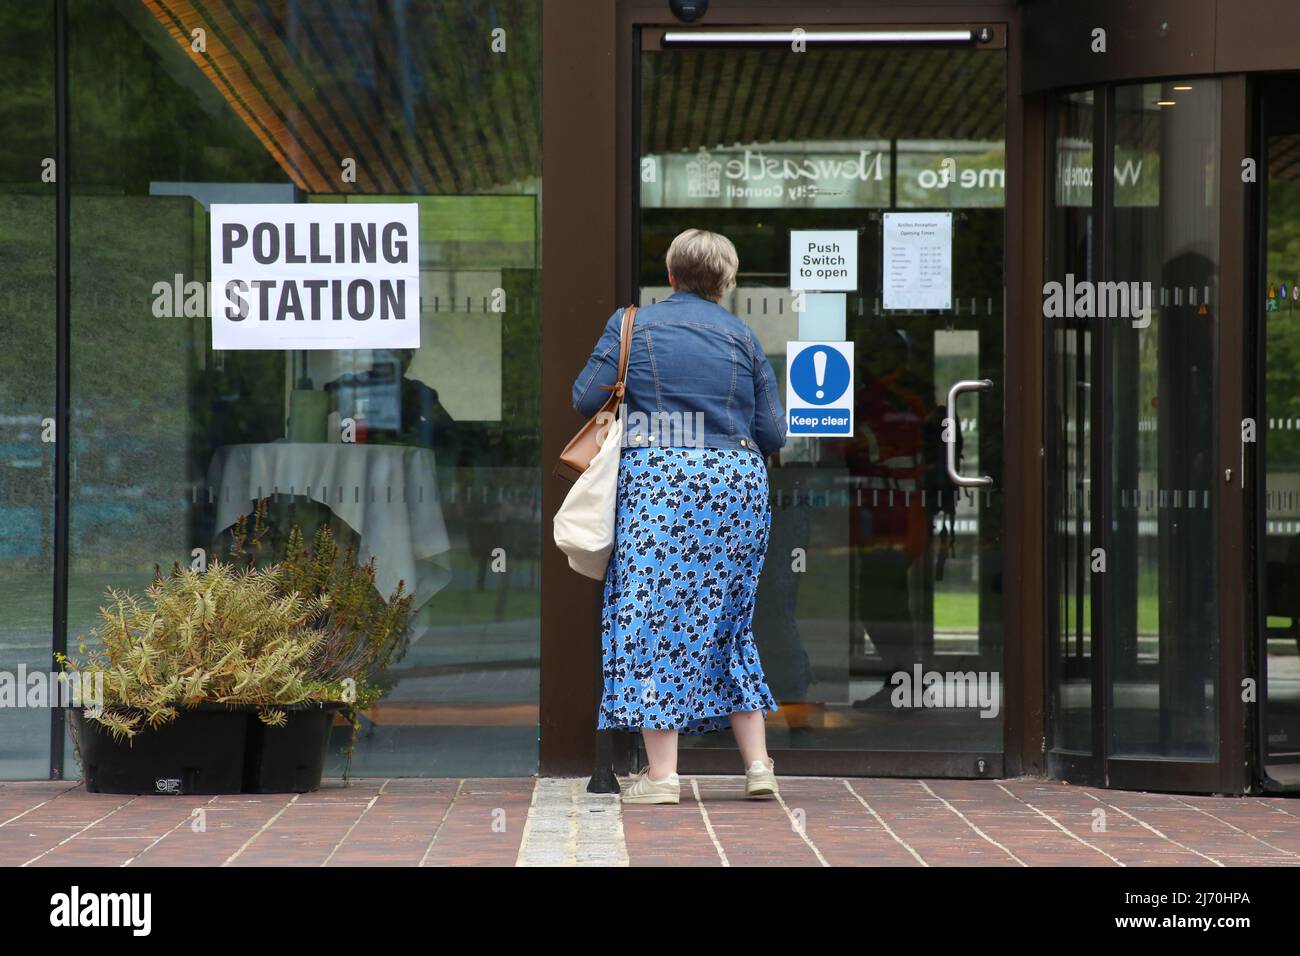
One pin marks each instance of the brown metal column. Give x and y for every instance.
(1023, 544)
(579, 112)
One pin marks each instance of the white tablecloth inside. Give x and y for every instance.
(388, 494)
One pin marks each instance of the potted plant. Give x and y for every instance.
(360, 633)
(228, 679)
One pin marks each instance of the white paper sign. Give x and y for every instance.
(824, 260)
(917, 268)
(315, 275)
(819, 389)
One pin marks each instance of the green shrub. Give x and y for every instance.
(223, 636)
(361, 630)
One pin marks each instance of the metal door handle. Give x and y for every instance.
(982, 385)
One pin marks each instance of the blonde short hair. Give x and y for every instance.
(704, 263)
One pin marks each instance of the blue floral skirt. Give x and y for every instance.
(676, 630)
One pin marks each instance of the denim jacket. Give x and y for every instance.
(696, 376)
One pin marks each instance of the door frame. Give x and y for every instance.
(589, 191)
(1235, 571)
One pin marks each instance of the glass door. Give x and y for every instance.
(1132, 311)
(1278, 433)
(879, 619)
(1161, 386)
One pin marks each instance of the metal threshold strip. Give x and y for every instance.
(764, 37)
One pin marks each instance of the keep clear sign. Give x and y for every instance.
(315, 276)
(819, 379)
(917, 266)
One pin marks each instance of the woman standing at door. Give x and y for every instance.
(702, 414)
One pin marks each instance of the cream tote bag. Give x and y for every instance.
(584, 525)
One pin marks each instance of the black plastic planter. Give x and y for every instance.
(289, 759)
(210, 749)
(201, 751)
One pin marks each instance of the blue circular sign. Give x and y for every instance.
(820, 375)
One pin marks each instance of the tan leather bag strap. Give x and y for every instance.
(624, 353)
(578, 453)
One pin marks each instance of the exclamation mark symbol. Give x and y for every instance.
(819, 372)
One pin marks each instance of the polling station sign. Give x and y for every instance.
(819, 388)
(315, 275)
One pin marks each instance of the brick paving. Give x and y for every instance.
(528, 822)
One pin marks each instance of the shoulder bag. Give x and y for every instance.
(584, 525)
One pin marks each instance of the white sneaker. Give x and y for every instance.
(645, 790)
(760, 779)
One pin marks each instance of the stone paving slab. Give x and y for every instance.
(554, 822)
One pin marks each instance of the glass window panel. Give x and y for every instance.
(27, 376)
(298, 103)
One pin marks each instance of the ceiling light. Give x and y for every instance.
(750, 37)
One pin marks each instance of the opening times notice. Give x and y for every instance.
(917, 267)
